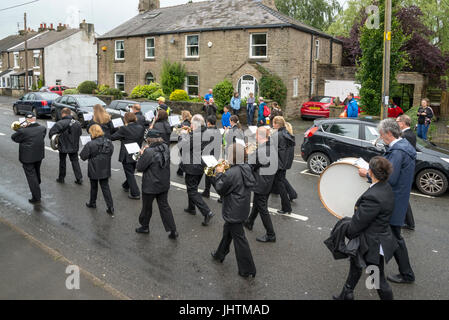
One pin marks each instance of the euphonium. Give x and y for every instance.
(16, 125)
(210, 171)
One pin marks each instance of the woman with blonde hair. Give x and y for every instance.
(186, 117)
(103, 119)
(99, 153)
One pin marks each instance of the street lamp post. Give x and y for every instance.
(386, 62)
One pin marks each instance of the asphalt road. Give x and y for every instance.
(297, 266)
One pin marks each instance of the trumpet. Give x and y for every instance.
(16, 125)
(136, 156)
(210, 171)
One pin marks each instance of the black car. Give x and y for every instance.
(332, 139)
(37, 102)
(79, 104)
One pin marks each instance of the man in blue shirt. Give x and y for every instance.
(353, 107)
(225, 120)
(209, 95)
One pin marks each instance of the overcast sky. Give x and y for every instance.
(105, 14)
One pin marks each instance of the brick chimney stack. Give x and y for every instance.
(61, 27)
(269, 3)
(146, 5)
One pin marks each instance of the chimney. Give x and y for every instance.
(61, 27)
(270, 4)
(146, 5)
(51, 27)
(87, 27)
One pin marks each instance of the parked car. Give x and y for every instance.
(330, 140)
(37, 102)
(79, 104)
(55, 89)
(317, 107)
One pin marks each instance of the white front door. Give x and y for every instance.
(247, 85)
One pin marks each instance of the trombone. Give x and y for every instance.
(16, 125)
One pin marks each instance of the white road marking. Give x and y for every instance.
(215, 195)
(306, 172)
(50, 149)
(299, 161)
(2, 134)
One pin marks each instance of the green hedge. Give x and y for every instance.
(87, 87)
(107, 91)
(273, 88)
(70, 91)
(173, 76)
(179, 95)
(146, 91)
(223, 93)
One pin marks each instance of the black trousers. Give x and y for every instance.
(401, 255)
(260, 205)
(104, 183)
(33, 175)
(355, 273)
(164, 210)
(131, 183)
(409, 220)
(75, 165)
(281, 186)
(234, 232)
(235, 112)
(291, 192)
(195, 199)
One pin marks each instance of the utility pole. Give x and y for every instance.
(387, 61)
(26, 53)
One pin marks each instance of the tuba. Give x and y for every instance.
(54, 142)
(210, 171)
(16, 125)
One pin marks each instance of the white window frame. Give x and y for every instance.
(116, 51)
(30, 81)
(317, 49)
(147, 48)
(146, 77)
(189, 46)
(295, 87)
(187, 86)
(36, 55)
(1, 62)
(115, 80)
(257, 45)
(16, 56)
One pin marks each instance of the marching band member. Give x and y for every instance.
(99, 153)
(155, 165)
(103, 119)
(186, 118)
(31, 153)
(191, 147)
(69, 131)
(136, 109)
(264, 184)
(235, 186)
(131, 132)
(161, 124)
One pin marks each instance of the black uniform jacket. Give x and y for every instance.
(214, 141)
(212, 110)
(286, 148)
(31, 143)
(194, 164)
(131, 133)
(108, 128)
(155, 165)
(235, 187)
(99, 153)
(69, 131)
(261, 159)
(371, 222)
(142, 120)
(232, 134)
(410, 136)
(164, 128)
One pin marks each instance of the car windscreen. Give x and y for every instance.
(145, 107)
(89, 101)
(49, 96)
(321, 99)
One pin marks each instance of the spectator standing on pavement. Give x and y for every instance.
(162, 105)
(263, 112)
(209, 95)
(275, 111)
(425, 115)
(225, 120)
(250, 108)
(353, 107)
(211, 108)
(235, 104)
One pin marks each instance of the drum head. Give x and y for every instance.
(340, 187)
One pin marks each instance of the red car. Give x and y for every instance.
(394, 110)
(317, 107)
(55, 89)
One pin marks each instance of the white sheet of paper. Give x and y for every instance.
(174, 120)
(222, 131)
(210, 161)
(122, 113)
(268, 127)
(362, 164)
(253, 129)
(149, 115)
(117, 123)
(240, 141)
(132, 147)
(373, 131)
(50, 124)
(21, 120)
(85, 139)
(87, 116)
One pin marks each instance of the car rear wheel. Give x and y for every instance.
(16, 110)
(432, 182)
(318, 162)
(35, 113)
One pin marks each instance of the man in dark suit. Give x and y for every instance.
(31, 152)
(69, 131)
(136, 109)
(404, 123)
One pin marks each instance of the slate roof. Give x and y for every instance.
(46, 39)
(208, 16)
(12, 41)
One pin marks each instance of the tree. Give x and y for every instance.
(347, 18)
(370, 70)
(172, 76)
(316, 13)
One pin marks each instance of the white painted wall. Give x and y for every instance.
(72, 60)
(341, 88)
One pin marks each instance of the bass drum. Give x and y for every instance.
(340, 186)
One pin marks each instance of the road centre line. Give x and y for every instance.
(2, 134)
(215, 195)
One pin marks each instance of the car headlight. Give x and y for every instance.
(445, 159)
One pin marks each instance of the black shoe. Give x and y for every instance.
(266, 238)
(220, 200)
(144, 230)
(173, 235)
(408, 227)
(80, 182)
(346, 294)
(248, 225)
(34, 201)
(134, 198)
(207, 218)
(247, 275)
(214, 256)
(180, 173)
(284, 212)
(293, 199)
(91, 205)
(192, 212)
(125, 189)
(59, 180)
(110, 211)
(399, 279)
(206, 194)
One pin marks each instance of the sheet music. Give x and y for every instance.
(85, 139)
(21, 120)
(122, 113)
(210, 161)
(149, 116)
(253, 129)
(87, 116)
(50, 124)
(132, 148)
(117, 123)
(174, 120)
(362, 164)
(240, 141)
(222, 131)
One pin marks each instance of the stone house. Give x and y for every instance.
(217, 40)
